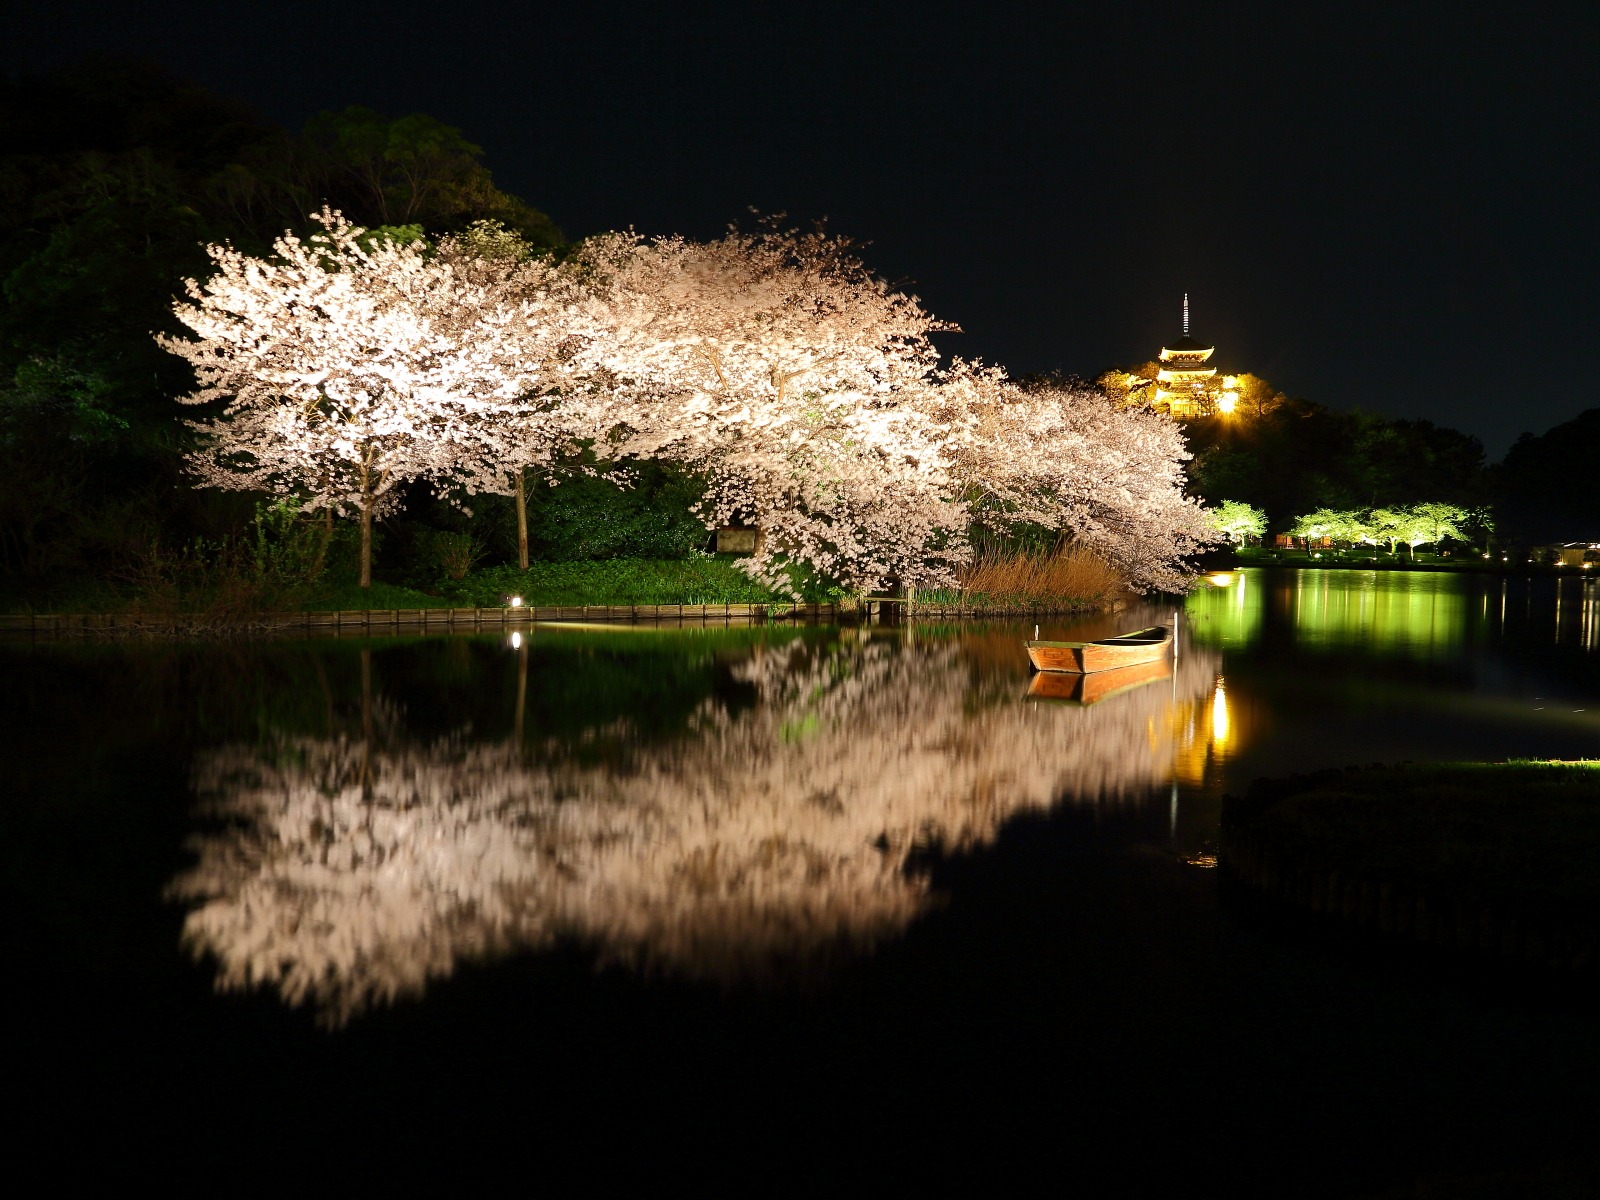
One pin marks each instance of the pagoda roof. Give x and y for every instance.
(1187, 344)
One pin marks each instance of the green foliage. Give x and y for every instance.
(1237, 521)
(1297, 457)
(449, 555)
(78, 403)
(702, 579)
(641, 512)
(400, 235)
(285, 550)
(1546, 487)
(275, 563)
(1429, 523)
(413, 170)
(1340, 526)
(492, 241)
(1432, 523)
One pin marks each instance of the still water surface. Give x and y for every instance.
(747, 904)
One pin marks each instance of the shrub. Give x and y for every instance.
(448, 554)
(700, 579)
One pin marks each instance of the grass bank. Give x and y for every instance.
(700, 580)
(1366, 560)
(1495, 858)
(1070, 581)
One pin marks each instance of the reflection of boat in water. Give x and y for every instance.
(1107, 654)
(779, 833)
(1077, 687)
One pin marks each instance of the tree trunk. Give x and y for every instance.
(522, 519)
(320, 559)
(366, 541)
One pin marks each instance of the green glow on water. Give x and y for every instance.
(1412, 614)
(1228, 608)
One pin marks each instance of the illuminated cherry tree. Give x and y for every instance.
(806, 391)
(775, 363)
(561, 402)
(1067, 459)
(347, 365)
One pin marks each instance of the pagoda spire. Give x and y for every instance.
(1186, 314)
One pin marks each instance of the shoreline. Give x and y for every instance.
(111, 626)
(1489, 873)
(1527, 570)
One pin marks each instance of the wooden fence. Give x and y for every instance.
(411, 620)
(871, 610)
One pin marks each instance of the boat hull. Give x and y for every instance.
(1085, 688)
(1083, 658)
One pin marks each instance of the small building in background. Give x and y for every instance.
(1573, 554)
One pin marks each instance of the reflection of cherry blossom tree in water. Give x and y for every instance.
(351, 872)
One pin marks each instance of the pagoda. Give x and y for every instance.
(1184, 383)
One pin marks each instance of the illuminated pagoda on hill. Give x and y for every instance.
(1186, 385)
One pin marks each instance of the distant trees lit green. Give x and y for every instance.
(1298, 457)
(1429, 523)
(1238, 521)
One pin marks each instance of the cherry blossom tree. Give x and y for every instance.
(346, 366)
(805, 390)
(1067, 459)
(810, 393)
(778, 365)
(561, 402)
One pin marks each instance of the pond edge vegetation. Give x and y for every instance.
(1481, 862)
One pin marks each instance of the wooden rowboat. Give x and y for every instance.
(1130, 649)
(1072, 688)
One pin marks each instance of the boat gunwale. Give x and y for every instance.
(1136, 638)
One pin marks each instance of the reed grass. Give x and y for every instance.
(1063, 580)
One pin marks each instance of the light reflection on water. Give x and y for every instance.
(773, 826)
(1418, 614)
(776, 833)
(1335, 668)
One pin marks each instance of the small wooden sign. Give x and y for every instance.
(736, 541)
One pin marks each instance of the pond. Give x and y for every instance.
(767, 908)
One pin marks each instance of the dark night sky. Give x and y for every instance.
(1389, 207)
